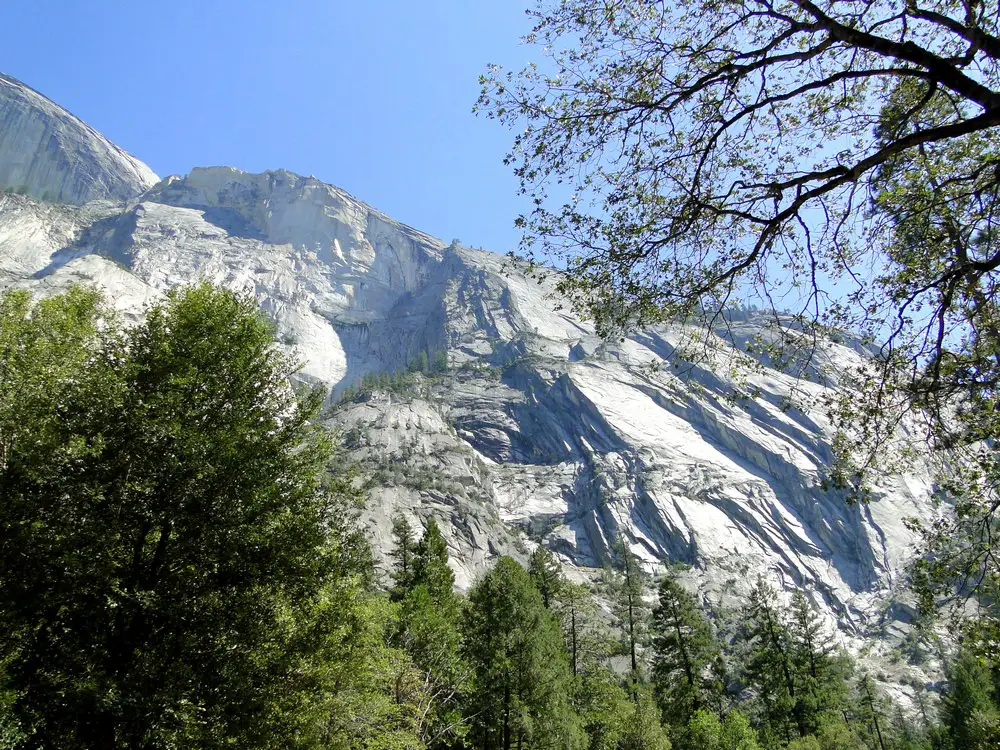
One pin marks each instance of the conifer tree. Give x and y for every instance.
(820, 675)
(546, 572)
(630, 608)
(768, 666)
(871, 712)
(683, 652)
(430, 620)
(521, 685)
(402, 553)
(430, 565)
(969, 709)
(577, 611)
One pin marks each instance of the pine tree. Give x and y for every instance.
(768, 666)
(430, 564)
(630, 608)
(521, 686)
(969, 709)
(871, 713)
(546, 572)
(430, 619)
(683, 652)
(402, 553)
(577, 611)
(819, 674)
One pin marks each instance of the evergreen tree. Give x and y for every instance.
(521, 685)
(546, 572)
(683, 652)
(871, 712)
(585, 643)
(821, 676)
(402, 553)
(768, 666)
(430, 564)
(430, 621)
(430, 635)
(969, 710)
(629, 607)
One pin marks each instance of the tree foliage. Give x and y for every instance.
(683, 651)
(520, 691)
(627, 582)
(175, 561)
(836, 163)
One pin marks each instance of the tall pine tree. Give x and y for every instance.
(820, 674)
(683, 652)
(768, 667)
(403, 543)
(627, 585)
(546, 572)
(521, 685)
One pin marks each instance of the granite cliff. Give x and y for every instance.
(537, 432)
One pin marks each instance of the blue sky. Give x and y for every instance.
(373, 97)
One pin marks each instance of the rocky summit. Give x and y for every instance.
(515, 424)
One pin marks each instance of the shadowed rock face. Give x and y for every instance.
(48, 153)
(539, 431)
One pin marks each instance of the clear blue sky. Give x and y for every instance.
(375, 97)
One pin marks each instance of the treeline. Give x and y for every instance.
(180, 567)
(398, 381)
(531, 660)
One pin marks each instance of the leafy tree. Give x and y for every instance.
(642, 730)
(809, 742)
(521, 685)
(177, 565)
(379, 695)
(683, 652)
(835, 734)
(546, 572)
(647, 141)
(604, 705)
(706, 732)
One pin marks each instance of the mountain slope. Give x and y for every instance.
(48, 153)
(538, 431)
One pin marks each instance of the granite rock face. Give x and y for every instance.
(538, 432)
(48, 153)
